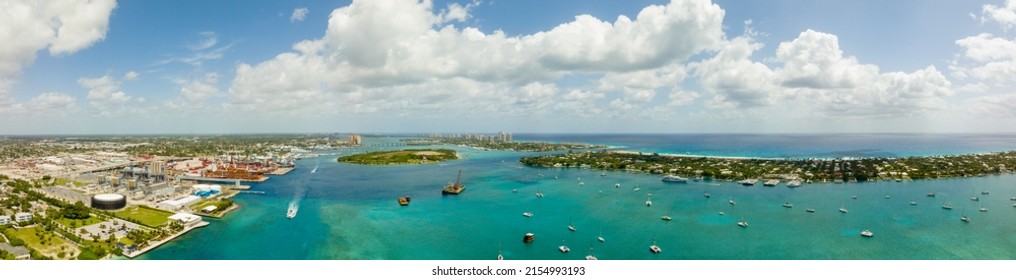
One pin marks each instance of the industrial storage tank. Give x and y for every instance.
(109, 201)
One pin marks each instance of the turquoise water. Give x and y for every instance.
(350, 212)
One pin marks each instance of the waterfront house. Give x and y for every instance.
(4, 219)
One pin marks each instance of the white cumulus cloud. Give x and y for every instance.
(62, 27)
(1004, 15)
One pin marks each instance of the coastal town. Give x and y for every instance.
(101, 197)
(793, 171)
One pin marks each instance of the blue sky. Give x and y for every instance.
(682, 66)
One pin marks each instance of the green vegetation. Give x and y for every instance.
(45, 242)
(149, 217)
(411, 156)
(76, 223)
(812, 170)
(220, 205)
(76, 211)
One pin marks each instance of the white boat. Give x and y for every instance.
(527, 214)
(931, 194)
(582, 184)
(983, 209)
(974, 198)
(293, 208)
(674, 179)
(742, 223)
(731, 201)
(721, 213)
(965, 219)
(771, 183)
(794, 183)
(563, 249)
(601, 239)
(788, 205)
(636, 189)
(867, 233)
(985, 193)
(947, 206)
(590, 258)
(853, 197)
(665, 218)
(748, 182)
(809, 210)
(706, 195)
(887, 196)
(618, 185)
(649, 200)
(500, 257)
(843, 210)
(655, 249)
(571, 227)
(1013, 198)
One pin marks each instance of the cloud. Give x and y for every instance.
(53, 102)
(993, 106)
(457, 12)
(208, 40)
(299, 14)
(61, 27)
(130, 76)
(1005, 16)
(196, 91)
(987, 58)
(104, 92)
(391, 43)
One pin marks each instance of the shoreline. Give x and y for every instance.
(150, 247)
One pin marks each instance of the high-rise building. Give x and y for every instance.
(355, 139)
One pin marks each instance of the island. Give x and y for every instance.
(409, 156)
(836, 170)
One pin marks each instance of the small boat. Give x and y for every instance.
(843, 210)
(947, 206)
(515, 190)
(706, 195)
(965, 219)
(500, 257)
(771, 183)
(974, 198)
(582, 184)
(529, 237)
(931, 194)
(985, 193)
(571, 227)
(913, 202)
(794, 183)
(665, 218)
(655, 249)
(404, 200)
(853, 197)
(809, 210)
(731, 201)
(563, 249)
(1012, 198)
(603, 174)
(618, 185)
(721, 213)
(788, 205)
(887, 196)
(601, 239)
(983, 209)
(649, 200)
(291, 213)
(742, 223)
(867, 233)
(748, 182)
(636, 189)
(591, 258)
(527, 214)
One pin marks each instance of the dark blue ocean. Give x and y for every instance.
(350, 212)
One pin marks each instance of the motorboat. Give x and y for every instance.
(788, 205)
(563, 249)
(655, 249)
(867, 233)
(527, 214)
(809, 210)
(665, 218)
(742, 223)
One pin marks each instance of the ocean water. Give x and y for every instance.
(350, 212)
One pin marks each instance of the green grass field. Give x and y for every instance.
(53, 243)
(80, 223)
(401, 157)
(147, 216)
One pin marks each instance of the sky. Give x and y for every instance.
(406, 66)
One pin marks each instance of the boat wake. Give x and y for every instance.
(294, 205)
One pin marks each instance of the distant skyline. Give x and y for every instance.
(406, 66)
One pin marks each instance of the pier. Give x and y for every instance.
(251, 192)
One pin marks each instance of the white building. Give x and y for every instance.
(23, 217)
(4, 219)
(188, 220)
(177, 204)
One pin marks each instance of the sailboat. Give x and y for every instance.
(500, 257)
(842, 209)
(590, 256)
(649, 200)
(742, 223)
(600, 237)
(538, 193)
(570, 226)
(563, 248)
